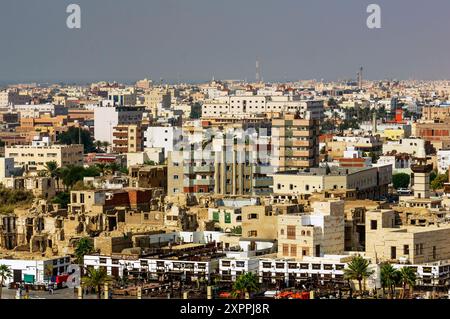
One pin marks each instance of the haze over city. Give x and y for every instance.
(197, 40)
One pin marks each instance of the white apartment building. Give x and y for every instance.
(288, 271)
(231, 268)
(11, 98)
(108, 117)
(119, 267)
(411, 146)
(37, 271)
(443, 159)
(161, 136)
(257, 104)
(37, 110)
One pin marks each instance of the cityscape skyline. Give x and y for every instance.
(179, 41)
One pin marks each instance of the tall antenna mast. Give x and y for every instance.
(258, 71)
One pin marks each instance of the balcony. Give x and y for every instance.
(198, 169)
(120, 142)
(120, 134)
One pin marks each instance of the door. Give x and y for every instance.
(17, 275)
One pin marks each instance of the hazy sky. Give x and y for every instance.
(198, 39)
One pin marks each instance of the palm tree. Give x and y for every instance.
(5, 272)
(102, 168)
(53, 171)
(84, 247)
(407, 277)
(358, 269)
(112, 168)
(105, 146)
(96, 278)
(98, 146)
(389, 278)
(245, 283)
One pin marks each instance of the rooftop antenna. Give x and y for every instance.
(258, 71)
(360, 78)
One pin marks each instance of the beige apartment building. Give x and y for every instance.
(295, 142)
(313, 235)
(127, 139)
(385, 241)
(34, 157)
(157, 97)
(261, 221)
(367, 182)
(175, 173)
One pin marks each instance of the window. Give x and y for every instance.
(228, 218)
(317, 250)
(291, 232)
(279, 265)
(252, 216)
(434, 252)
(175, 176)
(373, 224)
(393, 252)
(293, 250)
(285, 250)
(252, 233)
(405, 249)
(145, 216)
(267, 265)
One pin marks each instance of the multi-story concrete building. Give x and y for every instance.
(416, 147)
(260, 104)
(295, 142)
(122, 97)
(315, 234)
(156, 99)
(127, 139)
(108, 117)
(34, 157)
(38, 110)
(386, 241)
(161, 136)
(443, 159)
(368, 183)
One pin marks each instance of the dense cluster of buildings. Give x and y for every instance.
(285, 180)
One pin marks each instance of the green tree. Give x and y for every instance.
(196, 111)
(5, 273)
(245, 283)
(62, 198)
(358, 269)
(401, 180)
(84, 247)
(74, 135)
(407, 277)
(438, 182)
(71, 174)
(389, 278)
(96, 279)
(52, 170)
